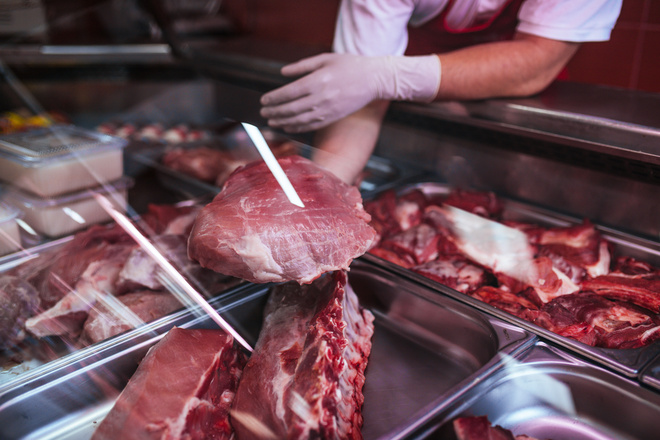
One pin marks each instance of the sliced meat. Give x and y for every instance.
(304, 379)
(117, 315)
(595, 320)
(578, 251)
(19, 301)
(457, 273)
(632, 281)
(67, 316)
(251, 230)
(516, 304)
(194, 404)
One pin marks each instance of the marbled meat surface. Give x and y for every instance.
(251, 230)
(182, 389)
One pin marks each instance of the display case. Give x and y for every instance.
(571, 153)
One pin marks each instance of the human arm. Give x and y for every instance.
(344, 147)
(521, 67)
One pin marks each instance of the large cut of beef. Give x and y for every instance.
(304, 379)
(251, 230)
(182, 389)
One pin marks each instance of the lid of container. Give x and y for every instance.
(20, 198)
(38, 147)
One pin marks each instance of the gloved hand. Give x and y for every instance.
(337, 85)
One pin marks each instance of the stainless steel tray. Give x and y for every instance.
(547, 393)
(651, 374)
(628, 362)
(379, 172)
(427, 351)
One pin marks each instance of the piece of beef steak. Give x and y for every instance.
(251, 230)
(304, 379)
(183, 388)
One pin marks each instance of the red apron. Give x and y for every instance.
(436, 36)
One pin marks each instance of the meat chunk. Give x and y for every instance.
(68, 315)
(116, 315)
(175, 396)
(457, 273)
(631, 281)
(594, 320)
(251, 231)
(19, 301)
(304, 379)
(480, 428)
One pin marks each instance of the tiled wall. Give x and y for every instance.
(631, 59)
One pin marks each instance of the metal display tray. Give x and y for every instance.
(547, 393)
(427, 351)
(379, 173)
(651, 374)
(628, 362)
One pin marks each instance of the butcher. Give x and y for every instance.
(424, 51)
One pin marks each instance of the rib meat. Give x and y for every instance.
(251, 231)
(304, 379)
(182, 389)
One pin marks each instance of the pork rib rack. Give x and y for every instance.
(304, 379)
(251, 231)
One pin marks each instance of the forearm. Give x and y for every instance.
(345, 146)
(520, 67)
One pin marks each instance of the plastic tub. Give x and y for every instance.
(60, 159)
(57, 216)
(10, 237)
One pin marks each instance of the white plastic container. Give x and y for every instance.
(60, 159)
(10, 236)
(58, 216)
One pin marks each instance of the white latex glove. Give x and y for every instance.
(337, 85)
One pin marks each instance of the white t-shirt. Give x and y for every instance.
(379, 27)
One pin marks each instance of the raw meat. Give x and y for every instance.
(182, 389)
(67, 316)
(480, 428)
(578, 251)
(251, 230)
(116, 315)
(19, 301)
(517, 304)
(304, 379)
(203, 163)
(595, 320)
(631, 281)
(457, 273)
(214, 165)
